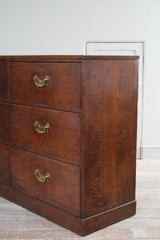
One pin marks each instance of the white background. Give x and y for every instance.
(63, 26)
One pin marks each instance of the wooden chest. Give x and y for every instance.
(68, 137)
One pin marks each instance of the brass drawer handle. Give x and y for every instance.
(41, 83)
(42, 178)
(41, 129)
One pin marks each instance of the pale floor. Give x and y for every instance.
(18, 223)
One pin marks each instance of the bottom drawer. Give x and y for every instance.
(4, 164)
(49, 180)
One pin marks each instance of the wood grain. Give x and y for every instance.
(61, 142)
(91, 106)
(4, 165)
(3, 122)
(63, 189)
(78, 225)
(61, 58)
(3, 82)
(63, 90)
(109, 116)
(18, 223)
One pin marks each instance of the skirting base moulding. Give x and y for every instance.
(68, 137)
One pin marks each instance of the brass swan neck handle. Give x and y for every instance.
(41, 83)
(42, 178)
(41, 129)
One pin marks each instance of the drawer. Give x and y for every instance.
(49, 180)
(61, 92)
(4, 164)
(61, 140)
(3, 82)
(3, 122)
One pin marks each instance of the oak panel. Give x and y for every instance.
(109, 127)
(62, 92)
(62, 141)
(3, 122)
(63, 188)
(3, 82)
(4, 165)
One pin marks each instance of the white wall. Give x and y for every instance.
(63, 26)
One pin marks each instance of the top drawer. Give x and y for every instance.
(3, 82)
(29, 84)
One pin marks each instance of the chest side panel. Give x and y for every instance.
(109, 126)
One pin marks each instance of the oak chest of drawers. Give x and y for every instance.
(68, 137)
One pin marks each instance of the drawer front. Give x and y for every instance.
(51, 181)
(3, 122)
(61, 91)
(4, 164)
(61, 140)
(3, 82)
